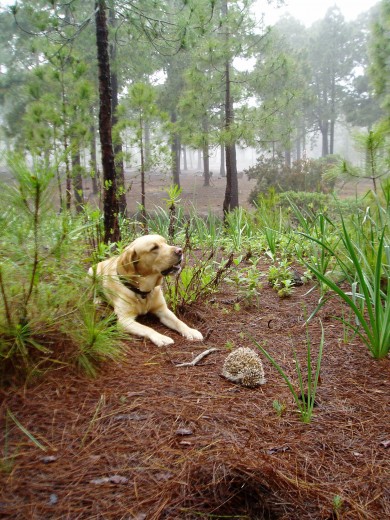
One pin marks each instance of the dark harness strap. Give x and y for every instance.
(132, 288)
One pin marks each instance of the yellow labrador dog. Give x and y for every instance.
(131, 282)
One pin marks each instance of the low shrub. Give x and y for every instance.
(44, 289)
(305, 175)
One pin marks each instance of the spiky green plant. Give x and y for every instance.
(43, 282)
(369, 296)
(97, 339)
(305, 397)
(240, 228)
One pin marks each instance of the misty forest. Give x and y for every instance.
(262, 153)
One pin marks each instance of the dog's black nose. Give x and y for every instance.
(179, 251)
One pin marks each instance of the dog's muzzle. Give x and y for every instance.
(174, 269)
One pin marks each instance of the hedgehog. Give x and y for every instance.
(244, 366)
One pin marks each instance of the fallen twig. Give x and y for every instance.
(198, 358)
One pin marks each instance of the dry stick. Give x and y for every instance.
(197, 358)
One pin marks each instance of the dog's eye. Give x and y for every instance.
(154, 248)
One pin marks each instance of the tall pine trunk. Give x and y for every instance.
(287, 157)
(206, 152)
(77, 178)
(118, 149)
(143, 189)
(222, 169)
(93, 163)
(231, 193)
(175, 149)
(325, 137)
(333, 114)
(148, 154)
(110, 200)
(65, 140)
(199, 160)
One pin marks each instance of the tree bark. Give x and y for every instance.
(222, 169)
(331, 137)
(333, 114)
(185, 165)
(68, 178)
(110, 201)
(143, 191)
(175, 149)
(298, 149)
(287, 157)
(325, 137)
(118, 149)
(206, 157)
(93, 165)
(77, 179)
(148, 154)
(231, 194)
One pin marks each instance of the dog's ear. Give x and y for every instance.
(127, 262)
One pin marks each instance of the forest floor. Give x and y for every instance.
(149, 440)
(195, 194)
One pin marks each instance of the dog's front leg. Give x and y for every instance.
(130, 325)
(169, 319)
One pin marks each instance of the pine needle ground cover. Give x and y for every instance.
(150, 440)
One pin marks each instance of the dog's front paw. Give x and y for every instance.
(161, 341)
(193, 335)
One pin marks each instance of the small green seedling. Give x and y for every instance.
(279, 407)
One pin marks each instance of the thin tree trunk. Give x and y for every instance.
(325, 142)
(94, 166)
(331, 137)
(199, 167)
(147, 146)
(118, 149)
(110, 201)
(206, 157)
(206, 165)
(333, 114)
(68, 177)
(185, 165)
(370, 162)
(231, 194)
(142, 152)
(222, 169)
(175, 149)
(66, 138)
(298, 144)
(58, 173)
(287, 158)
(77, 179)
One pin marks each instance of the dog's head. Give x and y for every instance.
(150, 255)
